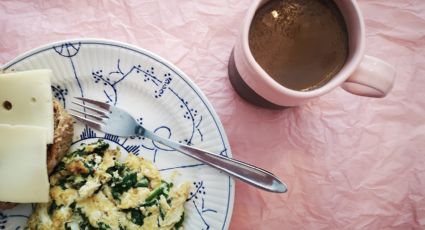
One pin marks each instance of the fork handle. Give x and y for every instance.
(241, 170)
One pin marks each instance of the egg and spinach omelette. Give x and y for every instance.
(91, 189)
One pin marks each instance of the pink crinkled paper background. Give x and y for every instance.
(350, 162)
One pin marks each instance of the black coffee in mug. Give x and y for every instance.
(301, 44)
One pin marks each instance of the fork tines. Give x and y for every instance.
(100, 115)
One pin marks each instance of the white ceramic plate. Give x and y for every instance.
(163, 99)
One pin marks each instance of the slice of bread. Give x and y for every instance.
(64, 131)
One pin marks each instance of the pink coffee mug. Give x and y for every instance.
(361, 75)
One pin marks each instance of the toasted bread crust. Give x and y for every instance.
(7, 205)
(63, 133)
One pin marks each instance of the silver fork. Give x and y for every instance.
(116, 121)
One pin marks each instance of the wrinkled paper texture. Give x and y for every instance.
(350, 162)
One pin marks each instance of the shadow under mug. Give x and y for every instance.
(361, 74)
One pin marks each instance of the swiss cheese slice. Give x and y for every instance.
(26, 99)
(23, 168)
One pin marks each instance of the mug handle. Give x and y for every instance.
(372, 78)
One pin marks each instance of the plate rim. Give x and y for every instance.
(109, 42)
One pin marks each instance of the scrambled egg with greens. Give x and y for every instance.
(91, 189)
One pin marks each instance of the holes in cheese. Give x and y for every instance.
(26, 99)
(7, 105)
(23, 168)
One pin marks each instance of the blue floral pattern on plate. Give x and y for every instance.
(161, 97)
